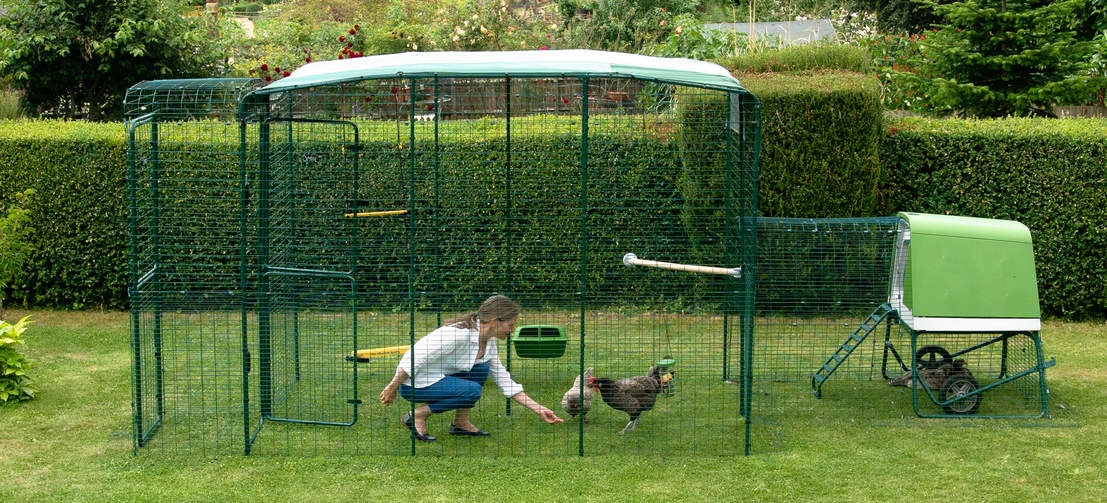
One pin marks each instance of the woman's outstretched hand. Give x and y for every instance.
(548, 415)
(388, 394)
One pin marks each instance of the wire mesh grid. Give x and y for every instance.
(284, 266)
(364, 215)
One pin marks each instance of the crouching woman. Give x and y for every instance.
(446, 369)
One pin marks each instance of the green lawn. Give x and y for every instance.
(74, 443)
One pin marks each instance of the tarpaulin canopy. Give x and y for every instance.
(560, 63)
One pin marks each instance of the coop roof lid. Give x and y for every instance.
(966, 227)
(570, 63)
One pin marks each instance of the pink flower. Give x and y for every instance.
(679, 30)
(563, 100)
(662, 23)
(543, 48)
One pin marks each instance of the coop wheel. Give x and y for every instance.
(956, 386)
(932, 357)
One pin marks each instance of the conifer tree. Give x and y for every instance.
(993, 58)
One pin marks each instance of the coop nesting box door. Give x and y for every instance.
(960, 268)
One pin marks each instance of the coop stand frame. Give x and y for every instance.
(1002, 337)
(888, 316)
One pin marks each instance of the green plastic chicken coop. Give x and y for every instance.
(964, 290)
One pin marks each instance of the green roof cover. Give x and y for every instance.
(967, 227)
(567, 63)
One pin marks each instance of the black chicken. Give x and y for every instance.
(633, 395)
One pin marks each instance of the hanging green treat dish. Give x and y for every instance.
(539, 341)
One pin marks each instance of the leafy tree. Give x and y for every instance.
(898, 16)
(76, 58)
(619, 25)
(993, 58)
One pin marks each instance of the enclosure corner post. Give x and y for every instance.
(243, 285)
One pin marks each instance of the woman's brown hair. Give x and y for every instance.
(496, 307)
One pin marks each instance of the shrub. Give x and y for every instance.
(246, 8)
(798, 58)
(820, 140)
(78, 231)
(15, 385)
(14, 247)
(1047, 174)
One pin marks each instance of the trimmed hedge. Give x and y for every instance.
(820, 140)
(79, 226)
(78, 218)
(1049, 174)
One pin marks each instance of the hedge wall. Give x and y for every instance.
(820, 140)
(1047, 174)
(80, 216)
(78, 213)
(1051, 175)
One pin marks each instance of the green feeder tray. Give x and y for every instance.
(539, 341)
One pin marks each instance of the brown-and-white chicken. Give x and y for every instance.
(633, 395)
(577, 400)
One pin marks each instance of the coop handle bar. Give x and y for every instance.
(631, 259)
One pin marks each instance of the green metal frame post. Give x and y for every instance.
(583, 237)
(265, 370)
(243, 275)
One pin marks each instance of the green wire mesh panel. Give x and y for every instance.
(818, 281)
(188, 99)
(363, 215)
(186, 276)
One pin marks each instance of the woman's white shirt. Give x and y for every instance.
(449, 350)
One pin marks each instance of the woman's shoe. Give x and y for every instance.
(409, 423)
(454, 430)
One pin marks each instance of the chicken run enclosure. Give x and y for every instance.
(290, 241)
